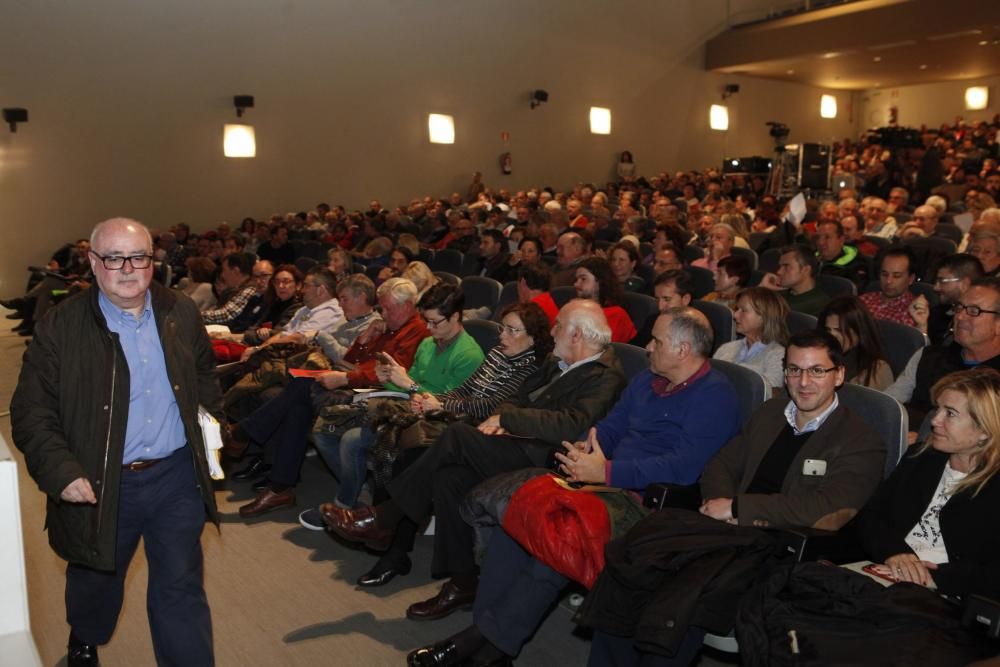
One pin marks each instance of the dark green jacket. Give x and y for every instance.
(70, 410)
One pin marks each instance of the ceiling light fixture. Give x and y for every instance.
(718, 117)
(441, 128)
(239, 139)
(600, 120)
(828, 106)
(977, 98)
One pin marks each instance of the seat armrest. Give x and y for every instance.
(677, 496)
(983, 613)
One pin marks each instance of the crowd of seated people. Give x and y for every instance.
(352, 296)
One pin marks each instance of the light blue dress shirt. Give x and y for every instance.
(155, 429)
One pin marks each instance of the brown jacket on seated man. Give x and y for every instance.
(808, 462)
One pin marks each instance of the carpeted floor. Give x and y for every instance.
(280, 594)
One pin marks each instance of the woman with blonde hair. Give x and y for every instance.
(761, 317)
(420, 275)
(929, 523)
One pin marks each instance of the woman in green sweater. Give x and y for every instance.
(442, 362)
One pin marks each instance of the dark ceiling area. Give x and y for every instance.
(867, 44)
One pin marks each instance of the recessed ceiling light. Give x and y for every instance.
(923, 67)
(877, 59)
(984, 42)
(791, 71)
(831, 54)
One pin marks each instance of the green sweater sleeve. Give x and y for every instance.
(438, 372)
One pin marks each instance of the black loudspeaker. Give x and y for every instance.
(814, 170)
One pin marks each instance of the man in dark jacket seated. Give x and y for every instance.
(803, 463)
(575, 387)
(669, 422)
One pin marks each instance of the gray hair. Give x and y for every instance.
(587, 318)
(358, 283)
(990, 215)
(119, 223)
(688, 325)
(938, 203)
(399, 290)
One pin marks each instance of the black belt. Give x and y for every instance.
(136, 466)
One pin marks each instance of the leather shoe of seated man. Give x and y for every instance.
(356, 525)
(437, 655)
(255, 469)
(79, 654)
(268, 500)
(449, 599)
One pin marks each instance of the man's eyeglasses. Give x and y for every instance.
(971, 310)
(262, 276)
(117, 262)
(815, 372)
(945, 281)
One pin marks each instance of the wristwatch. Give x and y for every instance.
(413, 388)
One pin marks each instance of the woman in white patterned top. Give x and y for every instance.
(933, 522)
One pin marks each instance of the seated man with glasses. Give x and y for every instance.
(976, 343)
(807, 462)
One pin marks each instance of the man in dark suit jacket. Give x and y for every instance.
(575, 388)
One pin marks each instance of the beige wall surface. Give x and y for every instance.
(127, 99)
(929, 104)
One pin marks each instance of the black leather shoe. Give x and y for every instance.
(257, 468)
(438, 655)
(380, 576)
(451, 598)
(81, 655)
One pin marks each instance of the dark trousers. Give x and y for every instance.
(515, 592)
(282, 425)
(163, 506)
(461, 458)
